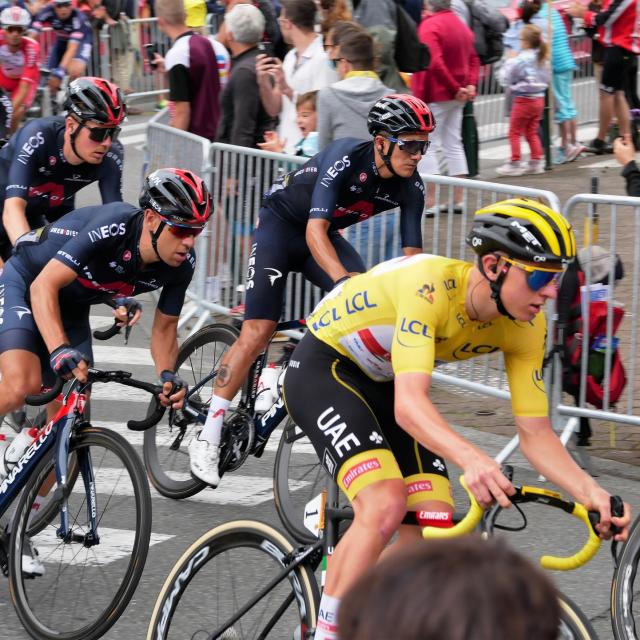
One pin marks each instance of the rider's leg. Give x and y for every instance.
(20, 371)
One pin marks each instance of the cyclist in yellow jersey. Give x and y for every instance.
(358, 383)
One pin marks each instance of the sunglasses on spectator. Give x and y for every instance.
(411, 146)
(537, 277)
(100, 134)
(14, 29)
(62, 5)
(182, 231)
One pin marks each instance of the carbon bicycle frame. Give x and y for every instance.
(56, 433)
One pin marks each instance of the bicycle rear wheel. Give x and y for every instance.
(574, 625)
(298, 477)
(220, 573)
(165, 444)
(625, 586)
(86, 584)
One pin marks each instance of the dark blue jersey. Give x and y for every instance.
(33, 167)
(76, 28)
(101, 245)
(341, 184)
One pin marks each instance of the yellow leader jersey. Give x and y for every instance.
(405, 314)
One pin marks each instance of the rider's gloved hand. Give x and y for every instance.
(174, 389)
(66, 361)
(59, 73)
(133, 307)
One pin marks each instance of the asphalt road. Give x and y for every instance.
(246, 494)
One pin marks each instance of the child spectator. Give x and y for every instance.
(306, 119)
(527, 77)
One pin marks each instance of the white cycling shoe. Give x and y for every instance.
(203, 457)
(31, 564)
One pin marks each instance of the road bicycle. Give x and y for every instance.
(244, 580)
(92, 535)
(245, 431)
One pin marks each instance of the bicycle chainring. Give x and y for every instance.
(237, 438)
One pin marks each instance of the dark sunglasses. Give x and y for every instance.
(99, 134)
(62, 5)
(411, 146)
(537, 278)
(14, 29)
(181, 231)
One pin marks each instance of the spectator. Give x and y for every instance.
(116, 14)
(343, 106)
(331, 12)
(194, 86)
(244, 120)
(616, 24)
(626, 156)
(446, 86)
(379, 18)
(305, 68)
(307, 121)
(527, 76)
(563, 65)
(334, 34)
(473, 588)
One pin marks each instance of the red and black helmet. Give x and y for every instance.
(400, 113)
(95, 99)
(178, 195)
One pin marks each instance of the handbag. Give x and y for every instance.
(410, 55)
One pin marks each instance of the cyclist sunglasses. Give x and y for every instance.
(183, 231)
(411, 146)
(62, 4)
(537, 277)
(99, 134)
(14, 29)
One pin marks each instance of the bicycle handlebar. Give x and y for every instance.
(531, 494)
(38, 399)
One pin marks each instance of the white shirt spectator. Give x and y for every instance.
(307, 71)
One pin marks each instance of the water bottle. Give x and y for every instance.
(267, 387)
(20, 444)
(4, 445)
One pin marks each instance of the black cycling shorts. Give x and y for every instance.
(278, 248)
(350, 421)
(617, 64)
(18, 329)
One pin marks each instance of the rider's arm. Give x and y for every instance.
(21, 93)
(411, 208)
(69, 54)
(110, 174)
(14, 218)
(181, 115)
(323, 252)
(45, 305)
(164, 341)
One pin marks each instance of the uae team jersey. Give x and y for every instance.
(406, 314)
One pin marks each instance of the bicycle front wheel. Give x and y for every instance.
(87, 581)
(298, 477)
(574, 625)
(624, 587)
(165, 444)
(221, 573)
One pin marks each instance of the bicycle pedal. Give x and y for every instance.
(259, 448)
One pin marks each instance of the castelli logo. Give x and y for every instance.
(363, 177)
(52, 160)
(126, 256)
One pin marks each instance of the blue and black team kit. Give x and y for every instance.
(100, 244)
(33, 167)
(342, 185)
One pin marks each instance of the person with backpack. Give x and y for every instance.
(447, 85)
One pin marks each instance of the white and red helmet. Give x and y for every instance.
(15, 17)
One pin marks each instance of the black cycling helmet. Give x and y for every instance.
(521, 229)
(178, 195)
(400, 113)
(95, 99)
(524, 229)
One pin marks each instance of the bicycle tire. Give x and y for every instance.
(114, 462)
(160, 464)
(298, 477)
(247, 537)
(623, 586)
(574, 624)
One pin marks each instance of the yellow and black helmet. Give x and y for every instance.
(523, 229)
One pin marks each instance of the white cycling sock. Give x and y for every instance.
(327, 627)
(213, 426)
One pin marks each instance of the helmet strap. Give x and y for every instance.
(386, 158)
(154, 238)
(72, 140)
(496, 287)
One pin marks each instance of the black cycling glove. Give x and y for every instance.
(65, 359)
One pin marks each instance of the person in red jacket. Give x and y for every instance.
(616, 25)
(446, 85)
